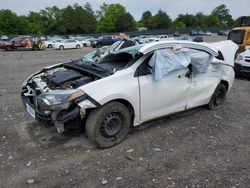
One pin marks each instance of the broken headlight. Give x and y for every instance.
(58, 100)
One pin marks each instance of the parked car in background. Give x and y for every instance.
(104, 41)
(159, 38)
(198, 39)
(208, 33)
(107, 97)
(23, 43)
(68, 44)
(222, 33)
(176, 34)
(201, 33)
(162, 37)
(49, 43)
(242, 63)
(4, 38)
(192, 38)
(87, 41)
(193, 33)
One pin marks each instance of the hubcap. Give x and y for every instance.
(111, 125)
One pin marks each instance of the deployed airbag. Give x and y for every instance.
(165, 61)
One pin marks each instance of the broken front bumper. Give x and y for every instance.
(63, 120)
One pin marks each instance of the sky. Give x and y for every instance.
(136, 7)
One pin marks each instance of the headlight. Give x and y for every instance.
(239, 58)
(58, 100)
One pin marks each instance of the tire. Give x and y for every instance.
(8, 48)
(50, 46)
(78, 46)
(218, 97)
(61, 48)
(99, 45)
(85, 45)
(108, 125)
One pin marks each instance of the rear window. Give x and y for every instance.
(236, 36)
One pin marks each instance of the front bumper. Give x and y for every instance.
(241, 70)
(63, 120)
(40, 116)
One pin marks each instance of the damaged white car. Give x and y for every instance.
(130, 86)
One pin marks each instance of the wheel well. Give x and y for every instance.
(129, 106)
(225, 83)
(122, 101)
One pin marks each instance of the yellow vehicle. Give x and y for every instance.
(241, 35)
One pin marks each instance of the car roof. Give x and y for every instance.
(180, 43)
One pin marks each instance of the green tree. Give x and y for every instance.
(100, 13)
(200, 19)
(212, 21)
(10, 23)
(125, 23)
(36, 23)
(76, 20)
(112, 14)
(88, 8)
(223, 14)
(188, 19)
(146, 16)
(178, 25)
(160, 21)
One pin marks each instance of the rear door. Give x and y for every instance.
(202, 86)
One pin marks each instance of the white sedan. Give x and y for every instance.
(68, 44)
(242, 63)
(130, 86)
(49, 43)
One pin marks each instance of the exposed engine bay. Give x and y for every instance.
(56, 79)
(60, 78)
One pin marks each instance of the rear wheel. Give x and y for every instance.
(85, 45)
(218, 97)
(61, 48)
(78, 46)
(108, 125)
(50, 46)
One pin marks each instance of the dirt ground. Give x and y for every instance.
(196, 148)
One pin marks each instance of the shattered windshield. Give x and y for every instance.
(117, 60)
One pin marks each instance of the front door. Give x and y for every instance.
(164, 96)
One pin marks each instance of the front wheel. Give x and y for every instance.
(218, 97)
(108, 125)
(78, 46)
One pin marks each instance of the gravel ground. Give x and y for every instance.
(196, 148)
